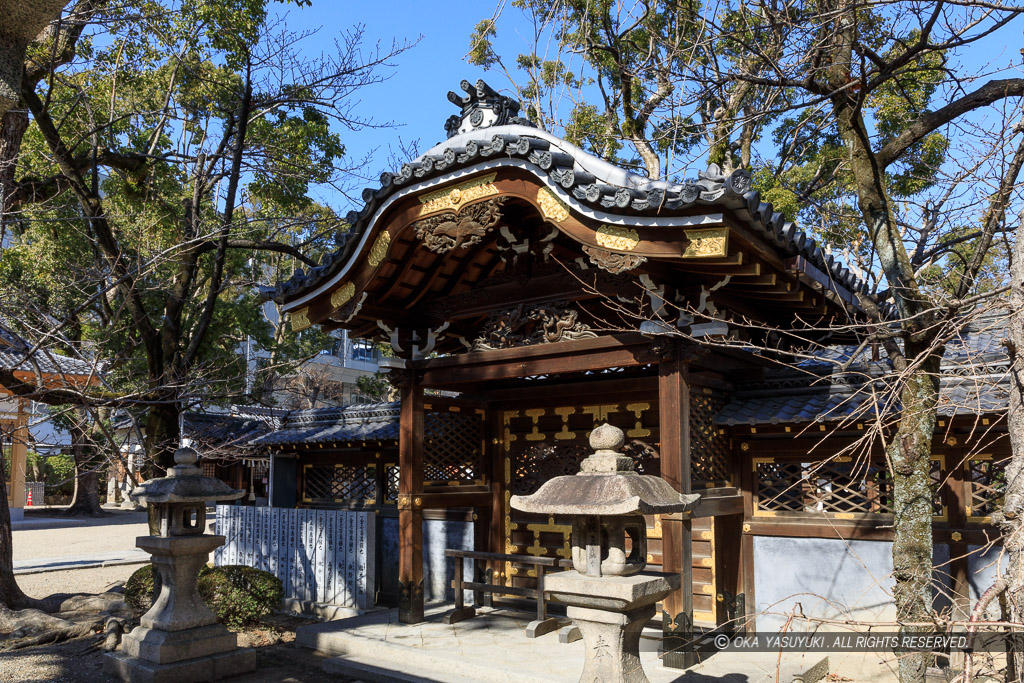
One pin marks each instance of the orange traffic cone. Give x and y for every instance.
(28, 503)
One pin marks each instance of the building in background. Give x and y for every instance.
(29, 367)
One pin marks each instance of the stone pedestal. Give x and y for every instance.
(611, 612)
(178, 639)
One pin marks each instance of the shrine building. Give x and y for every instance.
(531, 291)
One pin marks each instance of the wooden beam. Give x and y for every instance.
(609, 351)
(453, 499)
(410, 515)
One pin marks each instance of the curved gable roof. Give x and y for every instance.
(591, 200)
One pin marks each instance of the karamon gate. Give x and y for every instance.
(535, 292)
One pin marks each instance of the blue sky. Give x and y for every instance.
(414, 97)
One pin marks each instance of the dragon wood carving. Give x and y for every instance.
(448, 231)
(528, 326)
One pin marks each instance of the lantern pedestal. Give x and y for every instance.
(179, 640)
(611, 613)
(608, 597)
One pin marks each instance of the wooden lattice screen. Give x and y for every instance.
(453, 445)
(391, 483)
(709, 446)
(339, 483)
(841, 488)
(986, 481)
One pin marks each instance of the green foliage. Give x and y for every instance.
(375, 386)
(56, 471)
(156, 102)
(139, 588)
(238, 595)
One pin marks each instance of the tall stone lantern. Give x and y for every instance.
(609, 596)
(178, 639)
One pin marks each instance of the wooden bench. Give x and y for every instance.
(541, 625)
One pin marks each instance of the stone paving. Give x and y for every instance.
(493, 647)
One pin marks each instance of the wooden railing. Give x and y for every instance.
(543, 624)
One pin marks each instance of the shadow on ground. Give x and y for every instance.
(54, 518)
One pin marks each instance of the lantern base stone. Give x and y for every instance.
(611, 612)
(165, 647)
(212, 668)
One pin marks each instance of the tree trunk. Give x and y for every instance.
(1011, 519)
(163, 435)
(12, 130)
(86, 499)
(11, 596)
(910, 451)
(910, 455)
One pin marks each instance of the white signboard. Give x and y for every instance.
(323, 556)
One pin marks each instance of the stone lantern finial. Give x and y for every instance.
(607, 441)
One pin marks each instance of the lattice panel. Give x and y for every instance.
(453, 447)
(535, 464)
(355, 482)
(339, 483)
(709, 447)
(841, 487)
(317, 482)
(391, 483)
(986, 479)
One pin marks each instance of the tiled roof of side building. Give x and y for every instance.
(974, 382)
(16, 354)
(488, 134)
(354, 423)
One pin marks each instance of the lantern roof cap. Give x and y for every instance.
(606, 485)
(184, 483)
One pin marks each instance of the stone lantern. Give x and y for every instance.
(178, 639)
(609, 597)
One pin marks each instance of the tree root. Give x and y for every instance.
(76, 616)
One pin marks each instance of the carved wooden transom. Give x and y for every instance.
(466, 227)
(531, 325)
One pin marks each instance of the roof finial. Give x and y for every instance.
(482, 107)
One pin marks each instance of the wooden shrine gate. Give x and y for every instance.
(540, 443)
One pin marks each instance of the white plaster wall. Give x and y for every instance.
(829, 578)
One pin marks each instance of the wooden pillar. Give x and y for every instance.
(18, 455)
(677, 534)
(410, 509)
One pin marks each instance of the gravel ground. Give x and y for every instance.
(94, 580)
(77, 535)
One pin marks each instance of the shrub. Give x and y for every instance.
(238, 595)
(138, 589)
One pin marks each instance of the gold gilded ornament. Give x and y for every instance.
(379, 250)
(620, 239)
(707, 243)
(454, 198)
(299, 319)
(551, 206)
(343, 294)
